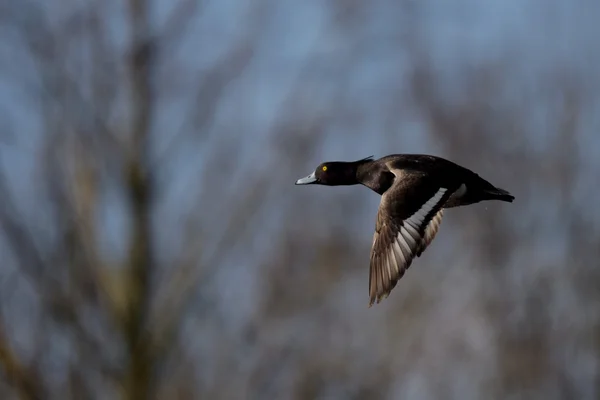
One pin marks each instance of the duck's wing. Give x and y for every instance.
(432, 229)
(408, 219)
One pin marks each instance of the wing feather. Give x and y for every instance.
(408, 219)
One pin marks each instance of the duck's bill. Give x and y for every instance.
(307, 180)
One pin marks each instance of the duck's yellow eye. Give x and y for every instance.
(324, 168)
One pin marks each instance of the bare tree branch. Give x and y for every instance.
(140, 191)
(24, 380)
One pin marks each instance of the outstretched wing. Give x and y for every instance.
(408, 219)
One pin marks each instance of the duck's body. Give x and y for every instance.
(415, 189)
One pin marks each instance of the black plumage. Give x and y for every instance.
(415, 189)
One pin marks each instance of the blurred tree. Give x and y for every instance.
(153, 244)
(99, 99)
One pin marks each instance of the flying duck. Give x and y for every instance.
(414, 189)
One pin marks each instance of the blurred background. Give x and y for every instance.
(153, 244)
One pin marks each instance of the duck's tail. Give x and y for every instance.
(499, 194)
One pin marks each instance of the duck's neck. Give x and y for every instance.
(375, 177)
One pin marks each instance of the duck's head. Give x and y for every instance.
(334, 173)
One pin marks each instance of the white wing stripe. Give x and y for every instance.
(394, 260)
(418, 217)
(405, 248)
(412, 230)
(391, 265)
(408, 239)
(411, 224)
(398, 253)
